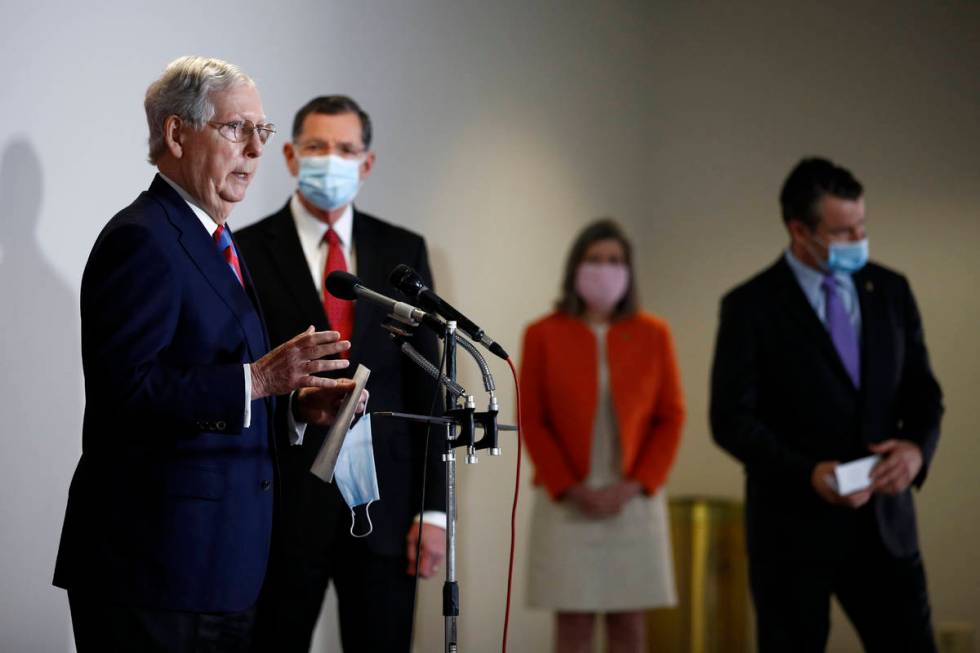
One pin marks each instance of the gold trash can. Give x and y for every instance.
(713, 610)
(956, 637)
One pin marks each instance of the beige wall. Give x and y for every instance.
(501, 129)
(729, 100)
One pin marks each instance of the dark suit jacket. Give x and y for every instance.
(781, 402)
(171, 504)
(291, 303)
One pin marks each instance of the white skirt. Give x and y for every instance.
(617, 564)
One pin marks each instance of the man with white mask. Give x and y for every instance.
(290, 253)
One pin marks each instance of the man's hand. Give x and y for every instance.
(292, 364)
(900, 463)
(319, 406)
(433, 549)
(818, 478)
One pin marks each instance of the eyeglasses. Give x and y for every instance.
(239, 131)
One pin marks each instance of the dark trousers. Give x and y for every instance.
(885, 598)
(312, 547)
(101, 626)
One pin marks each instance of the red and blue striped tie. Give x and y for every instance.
(222, 239)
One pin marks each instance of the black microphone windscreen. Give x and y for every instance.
(341, 285)
(406, 280)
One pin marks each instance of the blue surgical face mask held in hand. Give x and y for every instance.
(355, 475)
(330, 181)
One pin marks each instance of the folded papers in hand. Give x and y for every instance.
(853, 476)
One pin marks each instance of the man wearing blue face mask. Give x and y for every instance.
(318, 231)
(820, 360)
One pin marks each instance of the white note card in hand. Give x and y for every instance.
(855, 475)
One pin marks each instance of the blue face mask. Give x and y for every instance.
(330, 181)
(355, 474)
(847, 257)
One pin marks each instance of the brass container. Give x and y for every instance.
(956, 637)
(713, 610)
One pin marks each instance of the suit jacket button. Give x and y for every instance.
(266, 484)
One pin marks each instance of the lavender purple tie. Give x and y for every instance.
(841, 330)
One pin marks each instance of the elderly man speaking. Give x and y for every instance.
(169, 517)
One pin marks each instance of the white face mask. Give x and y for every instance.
(330, 181)
(602, 285)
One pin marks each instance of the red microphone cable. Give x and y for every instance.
(513, 512)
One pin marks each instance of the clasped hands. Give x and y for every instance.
(900, 463)
(294, 364)
(602, 502)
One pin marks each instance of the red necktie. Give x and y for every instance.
(223, 240)
(340, 312)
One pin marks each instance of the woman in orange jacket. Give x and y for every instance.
(603, 411)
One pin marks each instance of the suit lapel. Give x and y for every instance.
(287, 255)
(874, 324)
(200, 248)
(252, 293)
(371, 271)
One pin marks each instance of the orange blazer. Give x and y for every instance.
(559, 386)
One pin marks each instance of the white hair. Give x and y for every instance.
(184, 90)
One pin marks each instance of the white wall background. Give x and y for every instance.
(501, 129)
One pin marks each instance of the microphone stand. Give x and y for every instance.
(450, 588)
(465, 419)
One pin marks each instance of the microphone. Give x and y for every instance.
(409, 282)
(344, 285)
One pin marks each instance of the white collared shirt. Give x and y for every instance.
(311, 231)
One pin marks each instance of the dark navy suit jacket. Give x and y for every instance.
(171, 504)
(781, 402)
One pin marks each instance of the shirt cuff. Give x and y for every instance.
(295, 428)
(247, 421)
(434, 517)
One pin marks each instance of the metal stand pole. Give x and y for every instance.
(461, 422)
(450, 589)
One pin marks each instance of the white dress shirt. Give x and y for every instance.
(311, 231)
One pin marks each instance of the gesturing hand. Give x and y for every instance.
(900, 463)
(818, 478)
(292, 364)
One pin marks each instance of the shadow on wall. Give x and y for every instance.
(41, 405)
